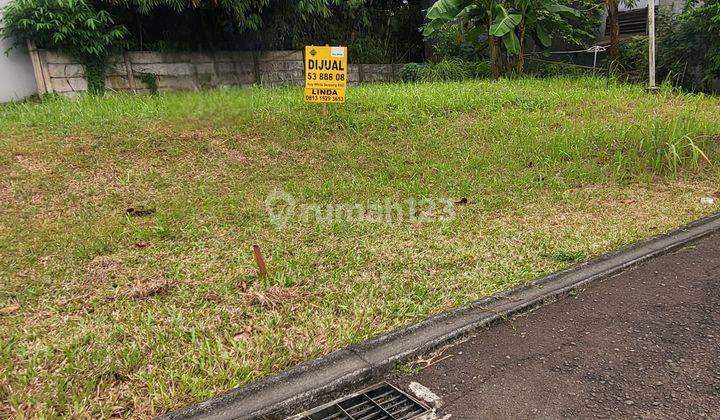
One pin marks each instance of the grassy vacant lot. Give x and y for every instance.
(109, 313)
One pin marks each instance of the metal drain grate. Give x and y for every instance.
(379, 402)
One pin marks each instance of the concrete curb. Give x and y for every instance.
(319, 381)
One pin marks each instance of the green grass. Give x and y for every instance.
(137, 315)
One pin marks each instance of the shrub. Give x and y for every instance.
(545, 69)
(70, 26)
(411, 72)
(369, 48)
(688, 48)
(151, 81)
(445, 71)
(481, 70)
(688, 45)
(633, 59)
(449, 42)
(673, 144)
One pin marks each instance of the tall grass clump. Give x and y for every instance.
(674, 144)
(448, 70)
(411, 72)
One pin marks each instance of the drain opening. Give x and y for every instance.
(379, 402)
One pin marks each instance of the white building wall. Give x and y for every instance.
(17, 79)
(638, 4)
(675, 5)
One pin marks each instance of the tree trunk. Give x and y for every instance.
(492, 41)
(520, 64)
(614, 23)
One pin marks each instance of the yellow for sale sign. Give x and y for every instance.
(325, 74)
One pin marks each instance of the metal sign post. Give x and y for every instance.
(651, 45)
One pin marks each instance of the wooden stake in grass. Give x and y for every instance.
(262, 269)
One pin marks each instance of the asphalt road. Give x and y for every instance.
(644, 343)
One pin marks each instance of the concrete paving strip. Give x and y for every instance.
(322, 380)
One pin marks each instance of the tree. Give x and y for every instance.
(539, 19)
(689, 45)
(375, 31)
(71, 26)
(504, 23)
(613, 9)
(247, 14)
(614, 26)
(474, 17)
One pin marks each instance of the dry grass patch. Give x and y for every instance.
(274, 296)
(146, 287)
(103, 268)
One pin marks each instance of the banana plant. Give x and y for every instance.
(474, 16)
(510, 21)
(504, 28)
(539, 19)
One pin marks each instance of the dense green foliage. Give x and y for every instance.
(95, 73)
(411, 72)
(556, 69)
(374, 30)
(456, 69)
(72, 26)
(245, 13)
(507, 25)
(689, 53)
(449, 41)
(688, 48)
(451, 69)
(632, 62)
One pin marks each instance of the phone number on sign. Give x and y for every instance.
(323, 98)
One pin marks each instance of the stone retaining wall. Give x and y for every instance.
(129, 71)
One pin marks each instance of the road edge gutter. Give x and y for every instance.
(321, 380)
